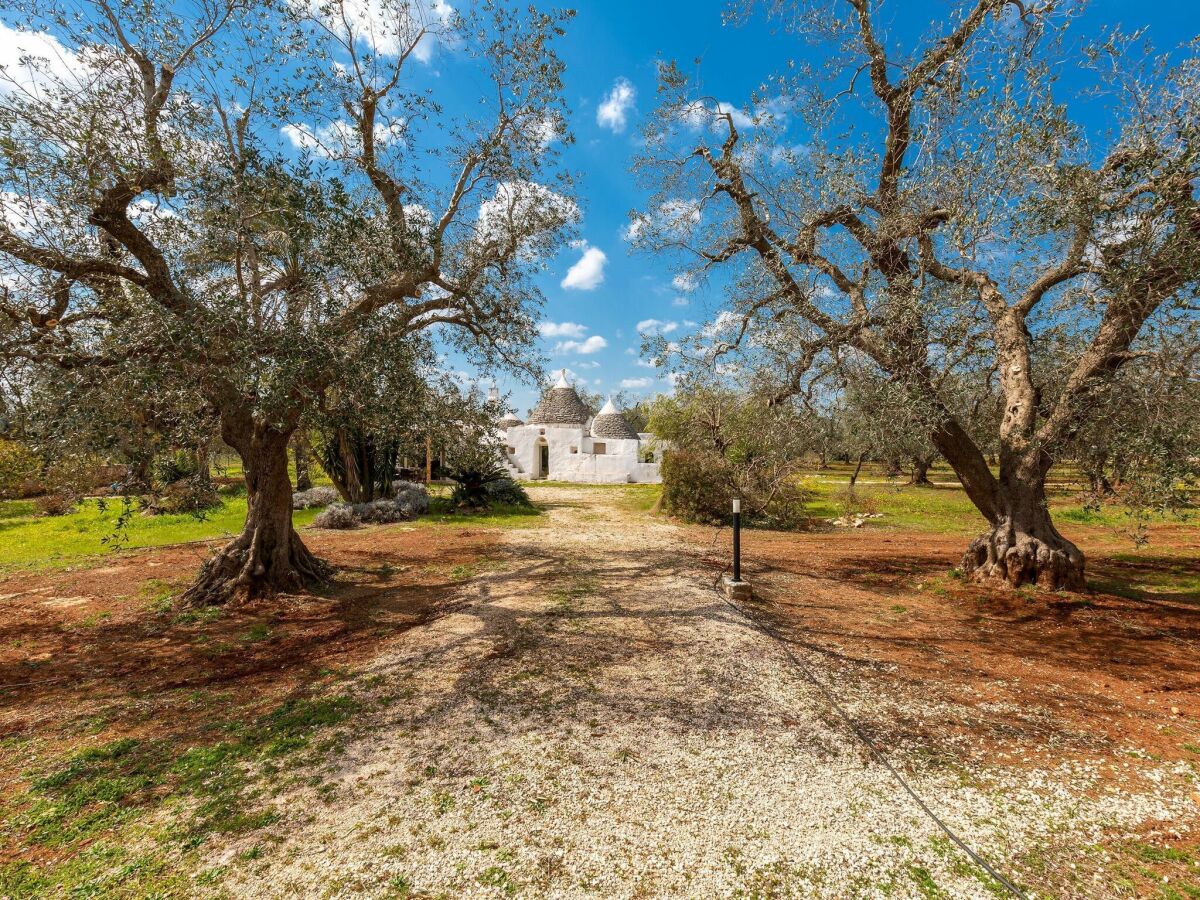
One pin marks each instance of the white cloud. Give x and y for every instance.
(656, 326)
(30, 60)
(524, 208)
(21, 214)
(673, 218)
(545, 130)
(613, 111)
(685, 282)
(592, 345)
(697, 115)
(680, 215)
(724, 321)
(637, 382)
(561, 329)
(387, 28)
(339, 139)
(590, 364)
(647, 364)
(680, 301)
(148, 213)
(588, 273)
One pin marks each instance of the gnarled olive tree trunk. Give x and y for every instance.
(920, 470)
(268, 557)
(1022, 546)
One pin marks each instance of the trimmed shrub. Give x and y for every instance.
(411, 497)
(318, 496)
(54, 504)
(410, 501)
(508, 492)
(380, 512)
(700, 487)
(336, 515)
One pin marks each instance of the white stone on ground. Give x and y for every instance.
(595, 722)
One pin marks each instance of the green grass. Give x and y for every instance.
(231, 467)
(502, 515)
(127, 817)
(30, 541)
(636, 497)
(946, 509)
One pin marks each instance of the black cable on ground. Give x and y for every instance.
(866, 741)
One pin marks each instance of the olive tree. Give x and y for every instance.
(945, 213)
(244, 192)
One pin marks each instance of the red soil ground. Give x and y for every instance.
(93, 642)
(1027, 679)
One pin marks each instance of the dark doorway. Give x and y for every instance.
(544, 461)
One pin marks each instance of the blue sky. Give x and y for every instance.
(611, 48)
(622, 39)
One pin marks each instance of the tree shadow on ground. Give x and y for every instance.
(73, 641)
(889, 615)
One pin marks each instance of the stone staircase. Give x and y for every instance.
(510, 466)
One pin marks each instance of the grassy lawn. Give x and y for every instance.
(30, 541)
(231, 467)
(501, 515)
(129, 817)
(945, 508)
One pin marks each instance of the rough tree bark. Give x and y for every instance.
(1023, 546)
(300, 451)
(920, 470)
(268, 557)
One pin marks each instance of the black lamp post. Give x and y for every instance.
(737, 539)
(735, 588)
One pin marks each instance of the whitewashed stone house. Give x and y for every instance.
(563, 442)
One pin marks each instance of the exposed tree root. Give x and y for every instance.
(253, 566)
(1014, 557)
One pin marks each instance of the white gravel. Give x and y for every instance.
(595, 722)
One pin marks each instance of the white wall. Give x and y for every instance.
(617, 465)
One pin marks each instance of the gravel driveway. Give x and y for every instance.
(593, 721)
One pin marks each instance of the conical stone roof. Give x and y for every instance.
(560, 406)
(609, 423)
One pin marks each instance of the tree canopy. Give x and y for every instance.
(947, 219)
(248, 194)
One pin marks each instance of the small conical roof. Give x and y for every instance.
(510, 419)
(560, 406)
(609, 423)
